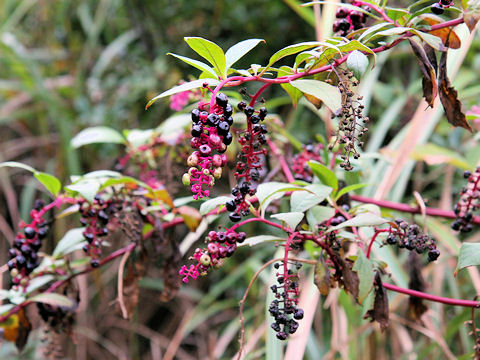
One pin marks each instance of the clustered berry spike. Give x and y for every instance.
(349, 20)
(24, 253)
(351, 123)
(210, 136)
(220, 245)
(300, 167)
(468, 203)
(411, 238)
(95, 217)
(250, 161)
(284, 308)
(439, 7)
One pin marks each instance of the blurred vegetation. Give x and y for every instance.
(66, 65)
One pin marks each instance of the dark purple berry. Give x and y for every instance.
(242, 105)
(227, 139)
(213, 119)
(433, 254)
(42, 232)
(94, 263)
(275, 326)
(221, 99)
(227, 111)
(230, 205)
(254, 119)
(195, 115)
(249, 111)
(234, 217)
(437, 9)
(241, 237)
(341, 13)
(223, 128)
(29, 232)
(467, 174)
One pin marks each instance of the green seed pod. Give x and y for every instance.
(186, 179)
(205, 260)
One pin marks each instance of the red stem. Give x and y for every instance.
(281, 159)
(374, 237)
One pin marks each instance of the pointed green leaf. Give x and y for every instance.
(68, 243)
(325, 175)
(184, 87)
(255, 240)
(469, 256)
(318, 214)
(301, 201)
(197, 64)
(50, 182)
(349, 188)
(97, 134)
(212, 204)
(290, 50)
(364, 219)
(292, 219)
(364, 269)
(238, 50)
(357, 62)
(210, 52)
(15, 164)
(53, 299)
(329, 94)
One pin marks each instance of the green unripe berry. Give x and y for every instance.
(186, 179)
(192, 160)
(205, 260)
(206, 172)
(217, 174)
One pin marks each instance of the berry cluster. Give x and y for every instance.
(249, 164)
(284, 308)
(300, 167)
(349, 20)
(95, 217)
(220, 245)
(24, 254)
(210, 133)
(469, 202)
(411, 237)
(351, 125)
(439, 7)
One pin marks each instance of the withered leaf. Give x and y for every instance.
(191, 216)
(429, 82)
(322, 277)
(24, 328)
(416, 305)
(130, 288)
(471, 18)
(315, 101)
(379, 312)
(449, 38)
(449, 97)
(349, 277)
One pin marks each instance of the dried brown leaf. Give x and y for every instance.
(379, 312)
(322, 277)
(191, 216)
(449, 97)
(471, 19)
(315, 101)
(416, 305)
(449, 38)
(429, 81)
(349, 278)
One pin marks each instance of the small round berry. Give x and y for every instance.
(213, 119)
(12, 253)
(229, 120)
(437, 9)
(227, 111)
(262, 112)
(20, 259)
(94, 263)
(223, 128)
(221, 99)
(222, 252)
(205, 150)
(230, 205)
(255, 119)
(227, 139)
(205, 260)
(467, 174)
(212, 235)
(446, 2)
(341, 13)
(433, 254)
(466, 229)
(249, 110)
(195, 115)
(11, 264)
(26, 250)
(18, 242)
(391, 240)
(241, 237)
(275, 326)
(42, 232)
(212, 248)
(29, 232)
(197, 130)
(234, 217)
(217, 174)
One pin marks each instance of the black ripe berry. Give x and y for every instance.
(195, 115)
(433, 254)
(227, 139)
(29, 232)
(437, 9)
(281, 335)
(234, 217)
(221, 99)
(249, 111)
(227, 110)
(254, 119)
(196, 130)
(94, 263)
(242, 105)
(223, 128)
(213, 119)
(230, 205)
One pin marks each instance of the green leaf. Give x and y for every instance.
(349, 188)
(364, 269)
(69, 242)
(363, 219)
(268, 192)
(398, 30)
(357, 62)
(197, 64)
(294, 94)
(318, 214)
(50, 182)
(292, 219)
(432, 40)
(325, 175)
(38, 282)
(300, 201)
(260, 239)
(212, 204)
(469, 256)
(87, 188)
(210, 52)
(97, 134)
(238, 50)
(184, 87)
(53, 299)
(290, 50)
(433, 154)
(329, 94)
(174, 124)
(372, 30)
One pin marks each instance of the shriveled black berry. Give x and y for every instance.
(249, 110)
(242, 105)
(230, 205)
(437, 9)
(234, 217)
(221, 99)
(227, 139)
(29, 232)
(275, 326)
(341, 13)
(281, 335)
(223, 128)
(262, 113)
(343, 25)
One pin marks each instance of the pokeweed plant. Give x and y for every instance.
(124, 212)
